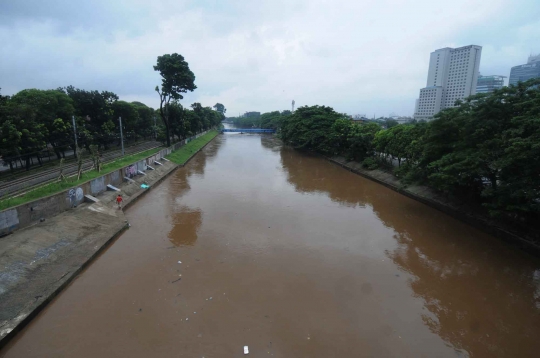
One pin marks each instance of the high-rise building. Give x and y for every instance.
(488, 84)
(452, 75)
(525, 72)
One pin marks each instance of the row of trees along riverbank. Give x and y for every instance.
(33, 121)
(484, 151)
(270, 120)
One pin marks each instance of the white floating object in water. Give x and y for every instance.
(246, 350)
(179, 262)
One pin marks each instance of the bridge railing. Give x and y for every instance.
(249, 130)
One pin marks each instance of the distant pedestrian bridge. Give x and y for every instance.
(248, 130)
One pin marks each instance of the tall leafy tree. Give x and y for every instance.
(94, 109)
(220, 108)
(177, 78)
(130, 118)
(24, 125)
(310, 128)
(146, 119)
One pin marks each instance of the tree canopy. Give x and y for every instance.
(176, 78)
(485, 151)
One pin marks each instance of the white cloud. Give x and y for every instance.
(358, 57)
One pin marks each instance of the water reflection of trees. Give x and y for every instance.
(483, 294)
(270, 142)
(186, 221)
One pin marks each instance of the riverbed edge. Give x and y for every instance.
(32, 312)
(143, 192)
(481, 223)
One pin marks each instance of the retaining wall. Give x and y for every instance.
(24, 215)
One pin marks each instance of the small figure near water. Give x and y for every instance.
(119, 201)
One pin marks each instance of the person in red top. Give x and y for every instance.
(119, 201)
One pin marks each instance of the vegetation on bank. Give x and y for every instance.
(176, 79)
(484, 151)
(182, 155)
(58, 186)
(34, 122)
(270, 120)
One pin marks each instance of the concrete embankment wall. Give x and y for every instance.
(437, 201)
(24, 215)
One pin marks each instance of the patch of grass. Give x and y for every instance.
(56, 187)
(182, 155)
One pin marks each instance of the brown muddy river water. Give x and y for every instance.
(294, 257)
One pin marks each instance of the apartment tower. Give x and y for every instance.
(452, 75)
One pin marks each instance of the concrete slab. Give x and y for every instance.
(91, 199)
(112, 187)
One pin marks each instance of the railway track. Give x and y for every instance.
(23, 184)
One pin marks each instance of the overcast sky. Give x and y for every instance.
(359, 57)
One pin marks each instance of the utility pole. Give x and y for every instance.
(121, 135)
(292, 105)
(75, 134)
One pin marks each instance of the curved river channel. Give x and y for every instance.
(255, 244)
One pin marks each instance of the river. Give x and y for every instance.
(255, 244)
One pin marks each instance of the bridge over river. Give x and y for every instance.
(255, 244)
(248, 130)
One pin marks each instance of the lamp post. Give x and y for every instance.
(75, 134)
(121, 135)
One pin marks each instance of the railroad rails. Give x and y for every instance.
(25, 183)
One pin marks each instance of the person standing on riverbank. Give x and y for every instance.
(119, 201)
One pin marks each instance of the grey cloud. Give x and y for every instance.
(358, 57)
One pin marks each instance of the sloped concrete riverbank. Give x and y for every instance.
(39, 261)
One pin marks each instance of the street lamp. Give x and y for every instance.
(121, 135)
(75, 134)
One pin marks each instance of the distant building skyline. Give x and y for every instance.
(452, 75)
(488, 84)
(525, 72)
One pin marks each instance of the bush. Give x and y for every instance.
(370, 163)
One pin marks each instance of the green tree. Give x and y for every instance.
(180, 127)
(310, 128)
(10, 142)
(95, 114)
(361, 140)
(389, 123)
(340, 132)
(177, 78)
(23, 123)
(220, 108)
(53, 109)
(130, 118)
(145, 124)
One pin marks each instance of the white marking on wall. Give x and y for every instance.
(9, 219)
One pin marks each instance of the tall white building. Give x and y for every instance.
(452, 75)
